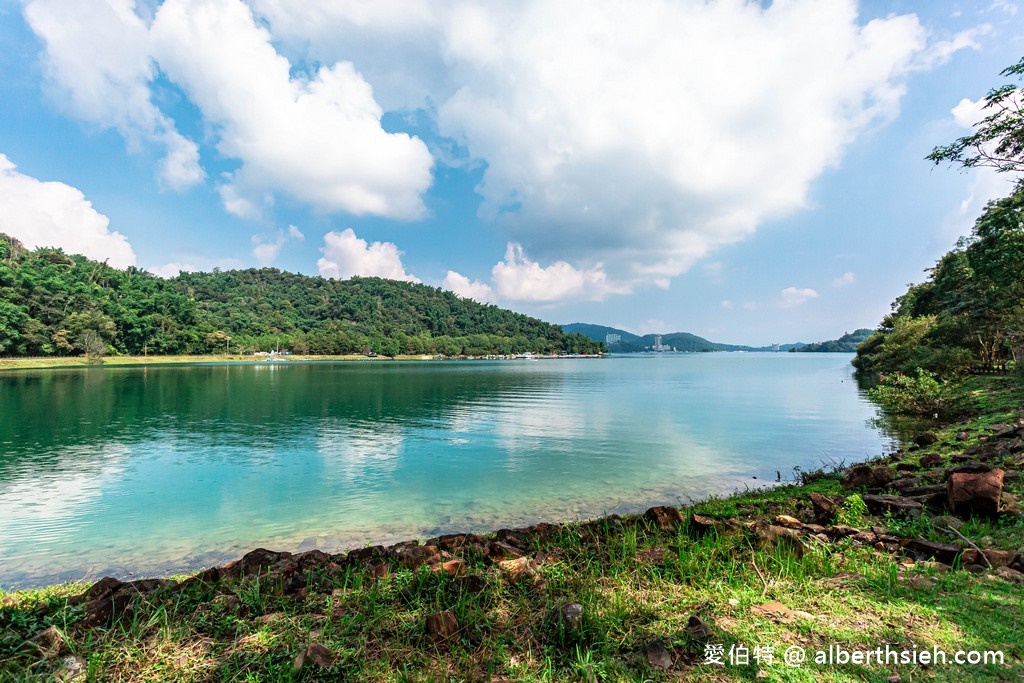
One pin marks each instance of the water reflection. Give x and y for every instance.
(117, 470)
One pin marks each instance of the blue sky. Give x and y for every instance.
(749, 172)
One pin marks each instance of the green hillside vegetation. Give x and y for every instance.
(845, 344)
(969, 314)
(56, 304)
(680, 341)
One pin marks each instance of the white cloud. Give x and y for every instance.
(266, 250)
(844, 280)
(517, 278)
(317, 138)
(98, 63)
(461, 285)
(169, 270)
(52, 214)
(728, 305)
(791, 296)
(641, 136)
(346, 255)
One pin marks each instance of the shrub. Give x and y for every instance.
(921, 395)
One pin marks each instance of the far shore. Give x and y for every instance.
(82, 361)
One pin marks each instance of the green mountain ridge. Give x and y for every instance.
(680, 341)
(55, 304)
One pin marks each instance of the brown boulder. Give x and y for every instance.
(701, 526)
(258, 561)
(943, 552)
(315, 654)
(442, 626)
(1011, 575)
(975, 493)
(771, 536)
(931, 460)
(665, 517)
(868, 477)
(926, 439)
(896, 505)
(826, 507)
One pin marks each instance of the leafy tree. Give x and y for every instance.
(998, 141)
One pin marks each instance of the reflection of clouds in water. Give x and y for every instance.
(42, 503)
(351, 453)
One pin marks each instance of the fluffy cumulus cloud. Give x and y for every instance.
(517, 278)
(53, 214)
(466, 288)
(317, 138)
(641, 136)
(345, 255)
(98, 63)
(266, 249)
(794, 296)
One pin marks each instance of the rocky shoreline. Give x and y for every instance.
(939, 483)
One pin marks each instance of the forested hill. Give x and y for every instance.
(680, 341)
(845, 344)
(52, 303)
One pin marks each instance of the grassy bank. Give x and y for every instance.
(617, 599)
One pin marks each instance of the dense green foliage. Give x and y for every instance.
(969, 314)
(921, 394)
(845, 344)
(52, 303)
(998, 141)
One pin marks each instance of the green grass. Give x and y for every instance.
(636, 584)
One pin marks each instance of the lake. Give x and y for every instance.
(146, 470)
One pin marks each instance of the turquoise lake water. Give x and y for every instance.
(135, 471)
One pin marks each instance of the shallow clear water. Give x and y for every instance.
(143, 470)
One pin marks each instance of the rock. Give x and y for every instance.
(413, 556)
(921, 583)
(50, 641)
(258, 561)
(969, 467)
(442, 626)
(931, 460)
(895, 678)
(451, 567)
(926, 490)
(701, 526)
(788, 522)
(975, 493)
(926, 439)
(948, 522)
(698, 629)
(315, 654)
(840, 531)
(571, 616)
(1002, 431)
(453, 542)
(469, 584)
(826, 507)
(868, 477)
(776, 536)
(519, 568)
(895, 505)
(71, 669)
(657, 656)
(665, 517)
(943, 552)
(500, 550)
(228, 602)
(363, 556)
(1011, 575)
(962, 436)
(996, 558)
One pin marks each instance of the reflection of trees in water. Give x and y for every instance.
(899, 428)
(46, 412)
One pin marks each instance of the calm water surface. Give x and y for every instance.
(144, 470)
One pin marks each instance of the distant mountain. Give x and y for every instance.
(845, 344)
(598, 332)
(679, 341)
